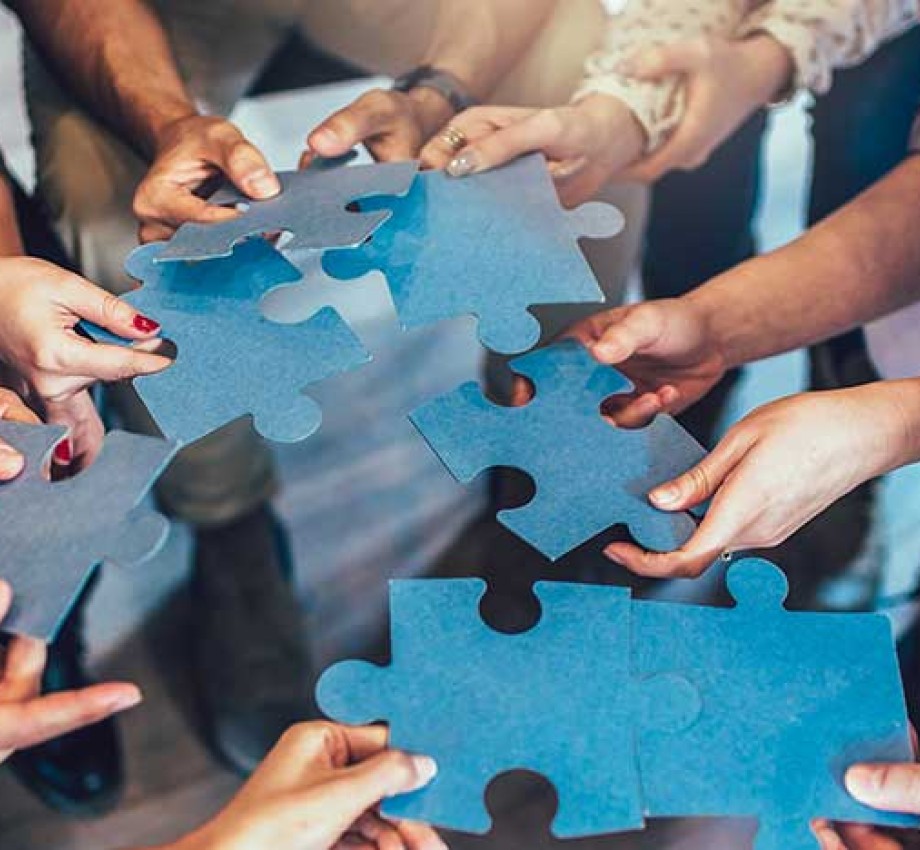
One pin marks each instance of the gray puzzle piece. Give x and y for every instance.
(232, 361)
(790, 700)
(492, 245)
(558, 700)
(311, 208)
(589, 475)
(53, 535)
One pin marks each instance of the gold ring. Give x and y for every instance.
(454, 138)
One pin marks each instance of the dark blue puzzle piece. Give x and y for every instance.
(589, 475)
(312, 208)
(790, 700)
(53, 535)
(232, 361)
(557, 700)
(491, 245)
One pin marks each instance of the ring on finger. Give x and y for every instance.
(454, 138)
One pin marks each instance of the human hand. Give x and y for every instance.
(774, 471)
(586, 143)
(392, 125)
(26, 717)
(664, 347)
(725, 82)
(40, 307)
(190, 153)
(319, 789)
(13, 409)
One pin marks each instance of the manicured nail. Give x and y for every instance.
(63, 453)
(426, 768)
(263, 184)
(862, 782)
(145, 324)
(463, 165)
(325, 136)
(667, 494)
(124, 701)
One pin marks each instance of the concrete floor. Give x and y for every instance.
(137, 617)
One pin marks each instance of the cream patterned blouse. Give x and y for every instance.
(821, 35)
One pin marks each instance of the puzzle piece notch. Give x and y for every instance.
(790, 701)
(101, 519)
(211, 310)
(436, 262)
(588, 475)
(444, 655)
(312, 207)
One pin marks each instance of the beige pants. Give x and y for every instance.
(88, 177)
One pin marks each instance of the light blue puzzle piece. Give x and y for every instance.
(557, 700)
(492, 245)
(232, 361)
(312, 208)
(53, 535)
(589, 476)
(790, 700)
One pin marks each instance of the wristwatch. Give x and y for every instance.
(443, 82)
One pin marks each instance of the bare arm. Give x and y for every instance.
(857, 265)
(116, 56)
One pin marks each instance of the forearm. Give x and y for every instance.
(480, 42)
(855, 266)
(892, 409)
(116, 56)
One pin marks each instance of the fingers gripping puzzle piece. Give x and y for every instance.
(97, 517)
(312, 208)
(588, 474)
(232, 361)
(492, 245)
(790, 700)
(557, 700)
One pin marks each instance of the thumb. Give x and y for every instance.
(890, 787)
(248, 170)
(354, 790)
(653, 64)
(88, 301)
(701, 482)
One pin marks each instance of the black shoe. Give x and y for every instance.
(80, 773)
(253, 669)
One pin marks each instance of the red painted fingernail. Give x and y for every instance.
(64, 452)
(145, 325)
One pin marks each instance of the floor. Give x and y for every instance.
(137, 617)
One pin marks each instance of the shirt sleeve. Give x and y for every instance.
(647, 23)
(823, 35)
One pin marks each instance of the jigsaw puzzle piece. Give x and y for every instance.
(491, 245)
(312, 208)
(557, 700)
(232, 361)
(588, 474)
(790, 701)
(100, 518)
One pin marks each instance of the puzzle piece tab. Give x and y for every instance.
(231, 360)
(588, 474)
(557, 700)
(312, 208)
(790, 700)
(493, 245)
(53, 535)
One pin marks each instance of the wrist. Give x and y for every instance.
(432, 109)
(161, 128)
(895, 405)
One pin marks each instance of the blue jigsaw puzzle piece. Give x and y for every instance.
(557, 700)
(492, 245)
(588, 474)
(232, 361)
(312, 208)
(96, 516)
(790, 700)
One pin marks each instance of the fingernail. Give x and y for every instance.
(667, 494)
(612, 555)
(11, 463)
(145, 324)
(463, 165)
(124, 701)
(324, 136)
(862, 781)
(63, 452)
(426, 768)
